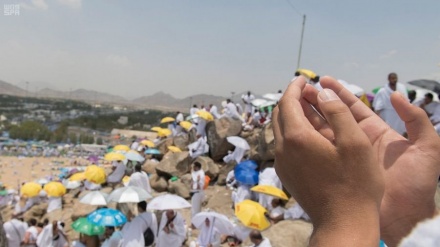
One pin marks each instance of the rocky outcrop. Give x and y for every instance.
(210, 168)
(266, 143)
(217, 131)
(174, 164)
(158, 183)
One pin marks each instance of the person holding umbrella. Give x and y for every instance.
(113, 238)
(209, 235)
(172, 231)
(258, 240)
(134, 230)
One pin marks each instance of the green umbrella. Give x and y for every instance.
(82, 225)
(375, 90)
(3, 192)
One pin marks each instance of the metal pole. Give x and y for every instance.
(301, 42)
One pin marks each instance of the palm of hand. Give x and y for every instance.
(411, 174)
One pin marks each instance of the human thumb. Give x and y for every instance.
(339, 117)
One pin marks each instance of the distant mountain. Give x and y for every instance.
(7, 88)
(94, 96)
(160, 100)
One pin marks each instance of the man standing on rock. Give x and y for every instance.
(197, 185)
(383, 107)
(247, 100)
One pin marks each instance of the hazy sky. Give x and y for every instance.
(184, 47)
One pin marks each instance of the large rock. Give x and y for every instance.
(253, 138)
(162, 146)
(36, 212)
(178, 188)
(158, 183)
(186, 180)
(289, 233)
(437, 197)
(209, 167)
(266, 146)
(82, 210)
(181, 141)
(150, 167)
(217, 131)
(174, 164)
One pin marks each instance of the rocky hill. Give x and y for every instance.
(160, 100)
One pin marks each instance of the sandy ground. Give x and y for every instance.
(15, 170)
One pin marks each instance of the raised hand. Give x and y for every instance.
(328, 166)
(411, 167)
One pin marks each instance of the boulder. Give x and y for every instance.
(150, 167)
(217, 131)
(158, 183)
(266, 146)
(82, 210)
(186, 180)
(36, 212)
(178, 188)
(162, 146)
(181, 141)
(223, 173)
(253, 138)
(437, 197)
(288, 233)
(174, 164)
(209, 167)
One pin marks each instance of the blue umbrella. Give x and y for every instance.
(152, 151)
(246, 176)
(107, 217)
(247, 164)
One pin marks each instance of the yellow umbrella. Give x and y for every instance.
(205, 115)
(125, 179)
(167, 120)
(164, 132)
(55, 189)
(95, 174)
(156, 128)
(252, 215)
(121, 148)
(148, 143)
(79, 176)
(306, 72)
(174, 149)
(185, 124)
(30, 189)
(114, 156)
(270, 190)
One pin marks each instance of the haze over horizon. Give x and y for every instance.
(184, 48)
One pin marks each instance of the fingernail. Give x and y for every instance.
(328, 95)
(293, 79)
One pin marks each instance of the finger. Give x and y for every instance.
(418, 125)
(291, 114)
(340, 118)
(276, 127)
(369, 121)
(359, 109)
(310, 93)
(316, 120)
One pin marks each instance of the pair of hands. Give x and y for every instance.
(349, 170)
